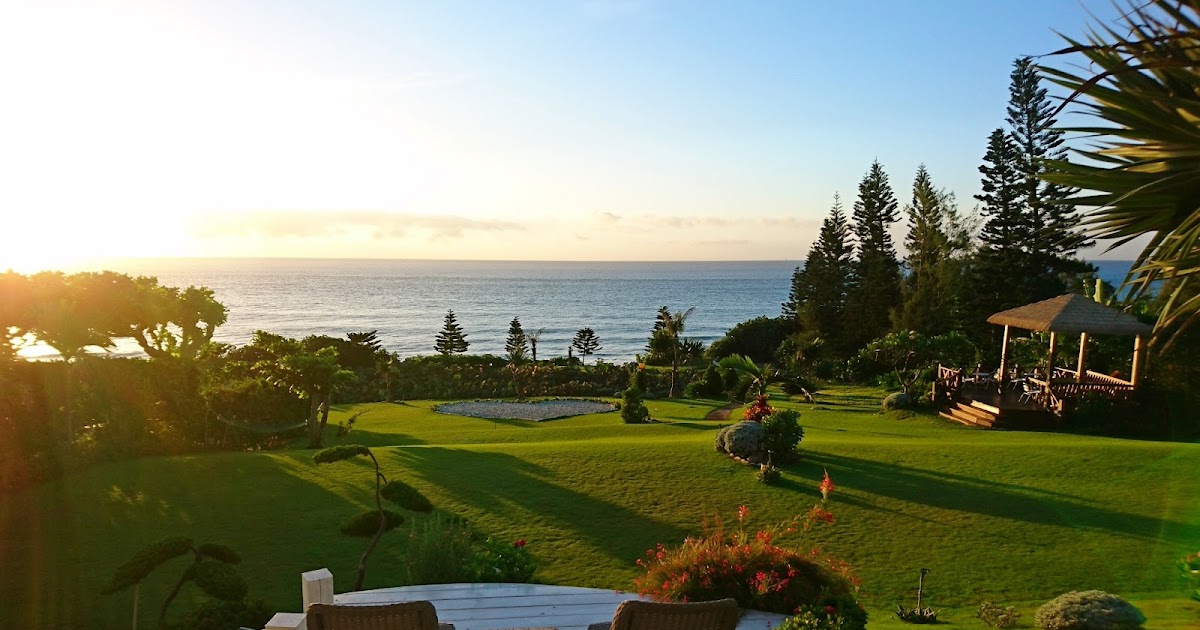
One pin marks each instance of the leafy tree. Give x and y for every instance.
(586, 342)
(937, 235)
(819, 290)
(758, 338)
(313, 374)
(174, 323)
(1056, 237)
(16, 307)
(452, 339)
(374, 522)
(877, 272)
(910, 355)
(360, 351)
(1143, 84)
(517, 346)
(211, 570)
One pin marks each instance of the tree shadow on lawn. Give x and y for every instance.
(508, 488)
(948, 491)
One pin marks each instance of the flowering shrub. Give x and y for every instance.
(1189, 566)
(757, 571)
(997, 616)
(758, 410)
(849, 616)
(498, 561)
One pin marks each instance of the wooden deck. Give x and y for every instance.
(494, 606)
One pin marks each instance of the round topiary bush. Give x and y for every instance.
(745, 440)
(898, 400)
(782, 434)
(720, 441)
(1088, 610)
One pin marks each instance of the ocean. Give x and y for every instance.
(406, 300)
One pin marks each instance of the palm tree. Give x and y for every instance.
(533, 339)
(669, 333)
(760, 375)
(1143, 171)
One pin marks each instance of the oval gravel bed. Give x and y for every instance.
(536, 411)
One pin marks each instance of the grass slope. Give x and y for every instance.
(1008, 516)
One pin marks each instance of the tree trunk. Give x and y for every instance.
(314, 427)
(362, 561)
(162, 612)
(325, 413)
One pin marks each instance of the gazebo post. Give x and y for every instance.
(1050, 365)
(1081, 375)
(1004, 360)
(1136, 370)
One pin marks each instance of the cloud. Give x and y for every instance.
(278, 224)
(723, 242)
(609, 217)
(700, 222)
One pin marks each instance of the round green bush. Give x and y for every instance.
(782, 434)
(1088, 610)
(898, 400)
(220, 615)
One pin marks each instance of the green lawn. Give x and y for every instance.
(1008, 516)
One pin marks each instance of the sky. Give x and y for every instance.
(550, 130)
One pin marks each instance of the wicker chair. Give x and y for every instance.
(638, 615)
(402, 616)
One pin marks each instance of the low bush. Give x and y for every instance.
(1189, 568)
(782, 434)
(997, 616)
(769, 474)
(1088, 610)
(440, 551)
(844, 617)
(497, 561)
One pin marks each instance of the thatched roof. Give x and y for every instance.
(1071, 314)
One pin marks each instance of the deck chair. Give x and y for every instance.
(402, 616)
(638, 615)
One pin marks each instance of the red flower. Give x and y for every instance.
(830, 610)
(743, 512)
(520, 543)
(826, 486)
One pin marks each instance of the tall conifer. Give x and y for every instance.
(516, 347)
(1055, 236)
(933, 242)
(1004, 265)
(876, 270)
(818, 296)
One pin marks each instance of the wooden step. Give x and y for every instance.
(964, 414)
(991, 409)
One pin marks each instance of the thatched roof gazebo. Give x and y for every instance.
(1075, 314)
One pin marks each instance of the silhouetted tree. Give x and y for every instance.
(819, 289)
(516, 346)
(586, 342)
(452, 339)
(877, 272)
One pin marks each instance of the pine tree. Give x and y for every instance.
(452, 339)
(516, 347)
(586, 342)
(876, 270)
(1056, 238)
(929, 288)
(818, 297)
(1004, 266)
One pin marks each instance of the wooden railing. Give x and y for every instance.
(946, 385)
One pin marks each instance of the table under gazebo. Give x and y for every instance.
(1010, 398)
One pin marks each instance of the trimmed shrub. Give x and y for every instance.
(898, 400)
(633, 410)
(768, 474)
(782, 434)
(222, 615)
(365, 524)
(745, 440)
(405, 496)
(1088, 610)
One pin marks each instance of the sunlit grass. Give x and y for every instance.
(1008, 516)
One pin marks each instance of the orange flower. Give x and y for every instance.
(743, 512)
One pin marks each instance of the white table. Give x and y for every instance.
(492, 606)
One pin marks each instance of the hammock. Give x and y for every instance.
(262, 428)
